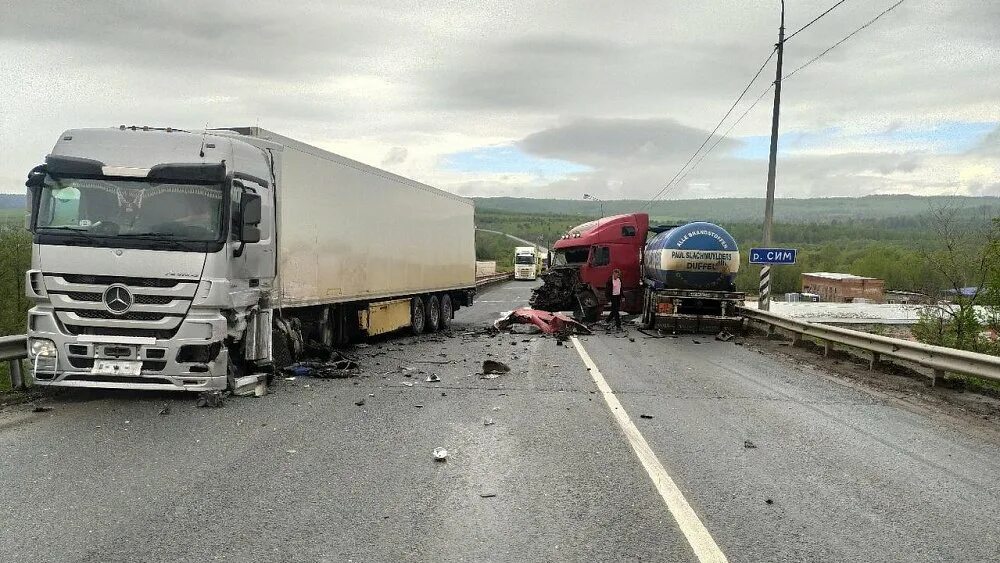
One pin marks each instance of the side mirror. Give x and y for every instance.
(34, 183)
(250, 216)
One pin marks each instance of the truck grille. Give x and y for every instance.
(158, 305)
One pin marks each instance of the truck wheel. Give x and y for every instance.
(647, 310)
(433, 313)
(447, 310)
(418, 317)
(281, 353)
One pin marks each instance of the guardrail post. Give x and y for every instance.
(16, 374)
(826, 348)
(876, 357)
(938, 378)
(796, 339)
(770, 331)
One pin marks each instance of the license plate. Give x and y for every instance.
(116, 367)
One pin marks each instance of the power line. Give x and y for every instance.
(816, 19)
(719, 124)
(725, 135)
(838, 43)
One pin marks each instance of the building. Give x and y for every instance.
(844, 288)
(906, 298)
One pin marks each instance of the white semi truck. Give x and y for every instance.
(173, 260)
(525, 263)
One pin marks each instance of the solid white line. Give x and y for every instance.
(705, 548)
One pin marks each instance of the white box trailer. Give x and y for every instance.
(348, 231)
(177, 260)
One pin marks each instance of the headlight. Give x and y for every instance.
(41, 347)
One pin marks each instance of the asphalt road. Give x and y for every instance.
(305, 474)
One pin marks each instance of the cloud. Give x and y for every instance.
(396, 155)
(608, 142)
(556, 98)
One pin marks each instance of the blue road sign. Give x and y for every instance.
(772, 255)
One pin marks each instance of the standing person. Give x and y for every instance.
(616, 299)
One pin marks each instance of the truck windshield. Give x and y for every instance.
(131, 208)
(524, 259)
(570, 256)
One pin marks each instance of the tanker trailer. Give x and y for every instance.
(689, 275)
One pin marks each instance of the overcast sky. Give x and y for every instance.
(535, 98)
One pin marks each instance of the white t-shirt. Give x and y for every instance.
(616, 286)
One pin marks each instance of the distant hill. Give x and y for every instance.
(11, 201)
(817, 210)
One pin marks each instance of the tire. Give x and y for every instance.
(281, 353)
(447, 311)
(418, 316)
(648, 318)
(433, 309)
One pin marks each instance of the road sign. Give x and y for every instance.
(772, 255)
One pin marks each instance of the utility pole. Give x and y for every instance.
(764, 302)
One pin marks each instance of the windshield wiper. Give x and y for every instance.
(80, 231)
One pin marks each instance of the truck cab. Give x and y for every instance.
(582, 261)
(526, 263)
(145, 243)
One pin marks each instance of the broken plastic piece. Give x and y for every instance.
(549, 323)
(440, 454)
(645, 416)
(432, 378)
(488, 422)
(41, 409)
(360, 402)
(725, 336)
(749, 445)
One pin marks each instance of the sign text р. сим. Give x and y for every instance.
(772, 255)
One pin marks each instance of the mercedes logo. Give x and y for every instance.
(118, 299)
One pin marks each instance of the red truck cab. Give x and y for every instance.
(596, 249)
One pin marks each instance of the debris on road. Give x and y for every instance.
(360, 402)
(647, 416)
(549, 323)
(725, 336)
(696, 341)
(432, 378)
(408, 383)
(41, 409)
(493, 366)
(211, 399)
(487, 495)
(749, 445)
(488, 422)
(769, 501)
(440, 454)
(165, 410)
(338, 366)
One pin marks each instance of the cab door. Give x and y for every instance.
(600, 268)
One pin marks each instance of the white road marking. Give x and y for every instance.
(705, 548)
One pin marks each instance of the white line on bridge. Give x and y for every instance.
(705, 548)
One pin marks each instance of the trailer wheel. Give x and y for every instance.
(418, 317)
(433, 313)
(447, 311)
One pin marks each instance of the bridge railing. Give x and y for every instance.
(938, 358)
(493, 278)
(13, 350)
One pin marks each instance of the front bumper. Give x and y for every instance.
(77, 355)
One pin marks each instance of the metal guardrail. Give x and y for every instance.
(486, 280)
(939, 358)
(14, 349)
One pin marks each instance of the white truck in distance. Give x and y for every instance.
(525, 263)
(164, 259)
